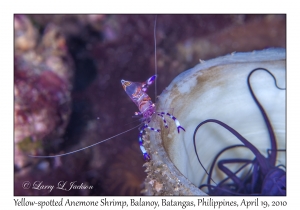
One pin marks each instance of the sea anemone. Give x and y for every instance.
(217, 89)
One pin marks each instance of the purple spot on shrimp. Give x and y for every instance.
(146, 157)
(151, 79)
(179, 128)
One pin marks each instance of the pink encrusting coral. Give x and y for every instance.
(42, 85)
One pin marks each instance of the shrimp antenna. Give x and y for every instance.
(155, 56)
(100, 142)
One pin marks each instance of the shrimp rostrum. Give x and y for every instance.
(137, 92)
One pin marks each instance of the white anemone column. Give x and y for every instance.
(215, 89)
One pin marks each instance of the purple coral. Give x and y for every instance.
(42, 85)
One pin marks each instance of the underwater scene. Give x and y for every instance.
(68, 95)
